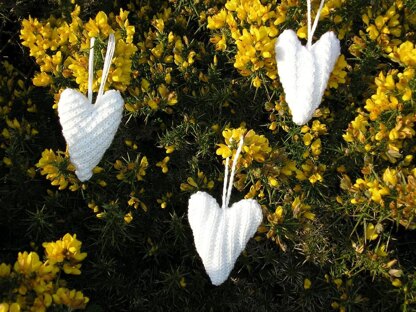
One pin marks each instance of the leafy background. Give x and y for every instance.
(338, 194)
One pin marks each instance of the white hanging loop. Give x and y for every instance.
(224, 188)
(311, 29)
(107, 62)
(91, 69)
(226, 195)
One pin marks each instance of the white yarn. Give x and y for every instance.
(221, 234)
(304, 70)
(89, 129)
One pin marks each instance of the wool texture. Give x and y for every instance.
(304, 72)
(89, 129)
(220, 235)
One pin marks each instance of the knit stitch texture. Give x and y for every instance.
(89, 129)
(220, 235)
(304, 72)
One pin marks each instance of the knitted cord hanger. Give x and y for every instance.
(221, 234)
(304, 70)
(89, 129)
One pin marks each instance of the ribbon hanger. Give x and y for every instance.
(107, 62)
(226, 194)
(311, 29)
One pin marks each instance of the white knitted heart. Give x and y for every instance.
(89, 129)
(304, 70)
(220, 235)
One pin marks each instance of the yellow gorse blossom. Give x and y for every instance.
(66, 250)
(131, 170)
(405, 54)
(164, 200)
(4, 269)
(50, 41)
(135, 202)
(384, 26)
(27, 263)
(339, 74)
(252, 28)
(58, 169)
(163, 164)
(200, 182)
(71, 298)
(13, 307)
(255, 147)
(389, 139)
(371, 232)
(37, 284)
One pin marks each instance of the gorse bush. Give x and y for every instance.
(34, 285)
(338, 194)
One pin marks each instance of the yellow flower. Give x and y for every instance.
(405, 54)
(201, 182)
(339, 74)
(255, 147)
(371, 232)
(220, 42)
(42, 80)
(128, 217)
(256, 82)
(170, 97)
(170, 149)
(277, 217)
(67, 249)
(357, 130)
(135, 201)
(223, 150)
(252, 27)
(396, 282)
(390, 177)
(164, 200)
(316, 147)
(49, 41)
(217, 21)
(316, 177)
(58, 169)
(372, 32)
(376, 191)
(42, 302)
(4, 270)
(319, 128)
(307, 139)
(7, 161)
(302, 210)
(381, 251)
(132, 170)
(27, 263)
(163, 164)
(70, 298)
(141, 171)
(302, 32)
(307, 283)
(13, 307)
(182, 282)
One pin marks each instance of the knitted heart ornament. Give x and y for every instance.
(304, 70)
(221, 234)
(89, 129)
